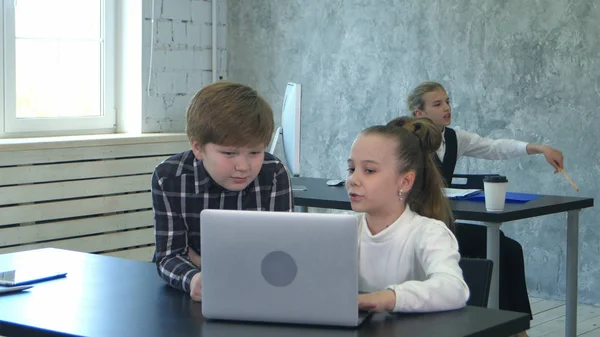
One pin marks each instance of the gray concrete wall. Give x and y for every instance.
(519, 69)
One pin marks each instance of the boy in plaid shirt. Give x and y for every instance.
(229, 125)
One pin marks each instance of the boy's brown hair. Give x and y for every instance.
(229, 114)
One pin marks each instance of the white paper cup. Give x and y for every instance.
(494, 189)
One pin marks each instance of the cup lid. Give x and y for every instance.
(495, 179)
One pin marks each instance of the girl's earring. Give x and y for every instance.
(401, 195)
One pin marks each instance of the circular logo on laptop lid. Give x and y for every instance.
(279, 268)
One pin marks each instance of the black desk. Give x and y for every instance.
(107, 296)
(318, 194)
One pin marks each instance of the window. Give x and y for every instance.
(59, 60)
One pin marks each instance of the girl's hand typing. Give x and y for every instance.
(383, 300)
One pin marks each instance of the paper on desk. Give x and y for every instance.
(458, 193)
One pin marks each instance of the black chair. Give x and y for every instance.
(478, 276)
(474, 181)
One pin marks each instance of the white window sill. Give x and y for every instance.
(41, 143)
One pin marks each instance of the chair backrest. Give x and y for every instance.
(478, 276)
(474, 181)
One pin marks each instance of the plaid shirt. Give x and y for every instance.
(181, 189)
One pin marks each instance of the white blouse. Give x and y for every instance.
(417, 257)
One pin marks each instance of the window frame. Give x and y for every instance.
(10, 124)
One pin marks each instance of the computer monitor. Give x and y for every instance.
(290, 127)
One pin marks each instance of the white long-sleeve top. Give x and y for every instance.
(417, 257)
(472, 145)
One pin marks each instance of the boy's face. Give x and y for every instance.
(436, 106)
(231, 167)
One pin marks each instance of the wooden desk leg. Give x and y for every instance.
(572, 270)
(493, 253)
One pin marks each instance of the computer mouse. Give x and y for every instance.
(335, 182)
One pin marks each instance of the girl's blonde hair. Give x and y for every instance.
(415, 98)
(417, 139)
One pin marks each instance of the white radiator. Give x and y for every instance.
(84, 195)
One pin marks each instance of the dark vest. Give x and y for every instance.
(448, 164)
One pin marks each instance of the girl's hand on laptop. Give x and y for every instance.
(383, 300)
(196, 287)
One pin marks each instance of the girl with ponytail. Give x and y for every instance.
(408, 253)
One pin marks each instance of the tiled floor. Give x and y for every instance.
(549, 319)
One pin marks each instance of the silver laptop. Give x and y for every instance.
(280, 267)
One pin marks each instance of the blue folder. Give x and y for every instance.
(511, 197)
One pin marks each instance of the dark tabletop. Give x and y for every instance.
(319, 194)
(108, 296)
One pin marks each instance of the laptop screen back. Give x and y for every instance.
(280, 267)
